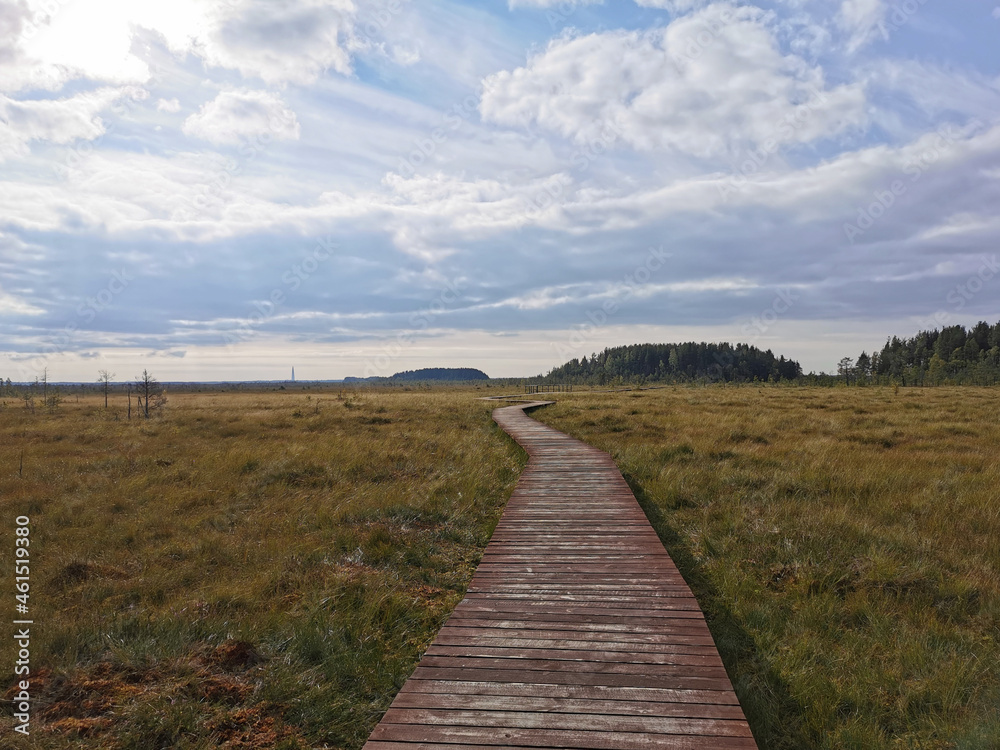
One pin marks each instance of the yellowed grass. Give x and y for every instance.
(263, 570)
(323, 536)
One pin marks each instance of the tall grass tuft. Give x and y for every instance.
(246, 569)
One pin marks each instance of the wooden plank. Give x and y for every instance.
(577, 722)
(632, 625)
(655, 643)
(689, 710)
(577, 630)
(590, 655)
(627, 696)
(543, 738)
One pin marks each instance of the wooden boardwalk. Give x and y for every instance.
(577, 630)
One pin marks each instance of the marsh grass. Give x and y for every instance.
(844, 543)
(261, 569)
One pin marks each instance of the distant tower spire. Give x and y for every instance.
(293, 374)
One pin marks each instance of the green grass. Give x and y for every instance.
(261, 569)
(844, 543)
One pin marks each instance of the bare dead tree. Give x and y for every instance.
(105, 379)
(143, 385)
(150, 393)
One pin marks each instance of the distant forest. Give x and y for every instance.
(640, 363)
(428, 374)
(441, 373)
(951, 356)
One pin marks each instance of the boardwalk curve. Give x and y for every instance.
(577, 630)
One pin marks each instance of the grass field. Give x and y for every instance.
(261, 570)
(844, 543)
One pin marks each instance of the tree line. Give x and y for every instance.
(953, 355)
(687, 362)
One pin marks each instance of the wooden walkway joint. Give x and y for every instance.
(577, 630)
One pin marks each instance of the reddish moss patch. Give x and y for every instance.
(252, 728)
(233, 655)
(90, 702)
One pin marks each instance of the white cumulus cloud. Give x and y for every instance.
(708, 85)
(54, 120)
(168, 105)
(236, 115)
(45, 44)
(279, 42)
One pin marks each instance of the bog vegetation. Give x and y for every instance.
(845, 544)
(263, 570)
(247, 570)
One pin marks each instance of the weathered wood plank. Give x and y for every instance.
(577, 630)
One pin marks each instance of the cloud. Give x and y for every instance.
(936, 91)
(11, 305)
(19, 263)
(13, 18)
(512, 4)
(708, 85)
(675, 6)
(46, 45)
(234, 116)
(54, 120)
(861, 19)
(499, 202)
(280, 42)
(996, 12)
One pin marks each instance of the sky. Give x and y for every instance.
(225, 189)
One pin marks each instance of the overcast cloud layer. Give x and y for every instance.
(225, 189)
